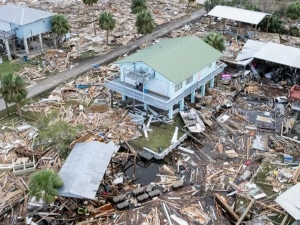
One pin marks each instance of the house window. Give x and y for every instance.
(189, 80)
(178, 86)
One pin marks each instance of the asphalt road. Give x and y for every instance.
(84, 66)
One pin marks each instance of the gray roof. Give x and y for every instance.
(21, 15)
(84, 169)
(290, 201)
(237, 14)
(250, 49)
(281, 54)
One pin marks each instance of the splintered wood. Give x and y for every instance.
(195, 213)
(31, 73)
(20, 134)
(12, 190)
(83, 39)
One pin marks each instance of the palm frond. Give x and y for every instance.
(144, 23)
(60, 24)
(107, 21)
(215, 40)
(138, 6)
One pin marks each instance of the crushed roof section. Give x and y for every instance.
(281, 54)
(21, 15)
(176, 59)
(84, 169)
(237, 14)
(290, 201)
(250, 48)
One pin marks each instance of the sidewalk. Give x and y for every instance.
(84, 66)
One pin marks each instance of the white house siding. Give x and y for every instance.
(130, 81)
(158, 86)
(162, 85)
(196, 77)
(33, 29)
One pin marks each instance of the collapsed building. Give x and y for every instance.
(242, 168)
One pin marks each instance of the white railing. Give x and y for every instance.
(117, 86)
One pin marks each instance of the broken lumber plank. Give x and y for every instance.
(226, 207)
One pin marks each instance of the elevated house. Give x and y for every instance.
(18, 23)
(162, 75)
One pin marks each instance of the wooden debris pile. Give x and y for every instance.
(19, 134)
(13, 190)
(56, 60)
(32, 73)
(194, 213)
(113, 123)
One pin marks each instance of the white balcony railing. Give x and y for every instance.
(151, 99)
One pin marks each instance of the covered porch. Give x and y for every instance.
(115, 84)
(239, 15)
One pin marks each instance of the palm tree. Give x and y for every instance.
(91, 3)
(60, 26)
(44, 184)
(107, 22)
(293, 10)
(144, 23)
(6, 106)
(215, 40)
(13, 90)
(138, 6)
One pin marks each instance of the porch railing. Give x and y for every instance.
(4, 35)
(150, 99)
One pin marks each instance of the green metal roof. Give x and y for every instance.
(176, 59)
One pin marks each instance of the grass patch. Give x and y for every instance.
(86, 55)
(261, 178)
(160, 136)
(278, 219)
(10, 67)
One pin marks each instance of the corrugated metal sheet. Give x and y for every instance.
(290, 201)
(21, 15)
(176, 59)
(281, 54)
(84, 169)
(236, 14)
(250, 49)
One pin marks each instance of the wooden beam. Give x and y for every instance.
(111, 98)
(209, 25)
(239, 27)
(245, 212)
(224, 25)
(226, 207)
